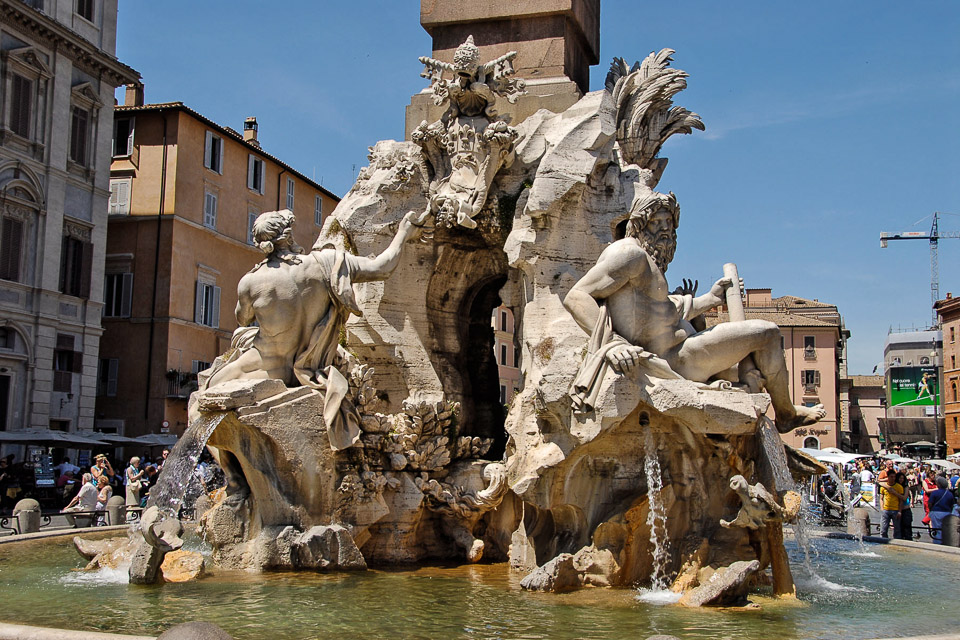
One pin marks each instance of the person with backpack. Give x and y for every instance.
(942, 502)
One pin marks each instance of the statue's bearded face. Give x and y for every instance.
(658, 237)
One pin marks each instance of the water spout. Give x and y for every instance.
(656, 516)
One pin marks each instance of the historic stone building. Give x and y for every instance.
(913, 410)
(184, 194)
(505, 352)
(815, 345)
(58, 73)
(949, 311)
(862, 407)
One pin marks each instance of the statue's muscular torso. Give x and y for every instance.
(640, 308)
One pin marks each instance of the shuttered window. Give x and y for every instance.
(11, 245)
(117, 295)
(255, 173)
(76, 262)
(123, 136)
(107, 377)
(318, 211)
(290, 189)
(79, 132)
(210, 210)
(207, 304)
(213, 153)
(120, 196)
(21, 98)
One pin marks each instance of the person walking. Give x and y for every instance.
(941, 505)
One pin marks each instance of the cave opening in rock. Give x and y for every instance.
(483, 409)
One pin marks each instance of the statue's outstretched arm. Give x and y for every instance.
(381, 266)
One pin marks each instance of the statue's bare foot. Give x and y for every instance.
(802, 416)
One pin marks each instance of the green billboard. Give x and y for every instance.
(914, 386)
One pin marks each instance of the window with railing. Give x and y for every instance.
(809, 348)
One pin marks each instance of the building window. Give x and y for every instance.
(85, 9)
(953, 362)
(251, 219)
(809, 348)
(953, 334)
(503, 321)
(811, 442)
(290, 187)
(318, 211)
(503, 354)
(123, 137)
(924, 360)
(11, 245)
(21, 98)
(107, 377)
(207, 310)
(199, 365)
(76, 262)
(255, 174)
(117, 295)
(955, 424)
(120, 196)
(79, 133)
(953, 389)
(811, 377)
(516, 360)
(503, 394)
(210, 210)
(213, 153)
(66, 362)
(895, 361)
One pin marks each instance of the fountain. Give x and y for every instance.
(353, 419)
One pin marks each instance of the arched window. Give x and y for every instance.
(811, 442)
(953, 389)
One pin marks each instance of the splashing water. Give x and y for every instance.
(178, 469)
(777, 458)
(656, 516)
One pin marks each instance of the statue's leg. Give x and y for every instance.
(726, 345)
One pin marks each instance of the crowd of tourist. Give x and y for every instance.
(895, 488)
(82, 492)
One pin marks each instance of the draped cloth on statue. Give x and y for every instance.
(317, 363)
(318, 359)
(586, 385)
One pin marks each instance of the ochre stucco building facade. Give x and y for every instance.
(185, 192)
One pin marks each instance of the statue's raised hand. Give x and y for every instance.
(688, 287)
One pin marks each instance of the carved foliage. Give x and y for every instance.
(646, 116)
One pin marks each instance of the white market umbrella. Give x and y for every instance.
(946, 464)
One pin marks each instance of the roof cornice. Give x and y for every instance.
(59, 37)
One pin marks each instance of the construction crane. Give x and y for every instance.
(934, 237)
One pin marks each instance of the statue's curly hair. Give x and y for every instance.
(645, 206)
(270, 226)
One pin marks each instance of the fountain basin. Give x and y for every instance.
(859, 595)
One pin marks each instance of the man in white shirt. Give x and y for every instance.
(866, 475)
(85, 500)
(66, 466)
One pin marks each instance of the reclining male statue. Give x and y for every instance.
(291, 308)
(624, 304)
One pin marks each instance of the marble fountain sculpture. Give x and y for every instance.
(357, 413)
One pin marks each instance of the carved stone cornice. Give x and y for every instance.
(57, 36)
(76, 230)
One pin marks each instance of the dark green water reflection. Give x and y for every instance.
(888, 592)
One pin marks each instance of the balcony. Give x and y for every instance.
(809, 354)
(180, 384)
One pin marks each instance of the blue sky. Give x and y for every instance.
(827, 123)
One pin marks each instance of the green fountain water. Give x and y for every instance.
(859, 595)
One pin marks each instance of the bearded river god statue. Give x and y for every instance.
(357, 413)
(623, 302)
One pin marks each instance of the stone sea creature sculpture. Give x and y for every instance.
(758, 506)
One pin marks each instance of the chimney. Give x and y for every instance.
(134, 95)
(250, 131)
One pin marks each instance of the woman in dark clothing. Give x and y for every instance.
(906, 513)
(941, 505)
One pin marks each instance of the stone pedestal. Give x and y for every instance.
(27, 512)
